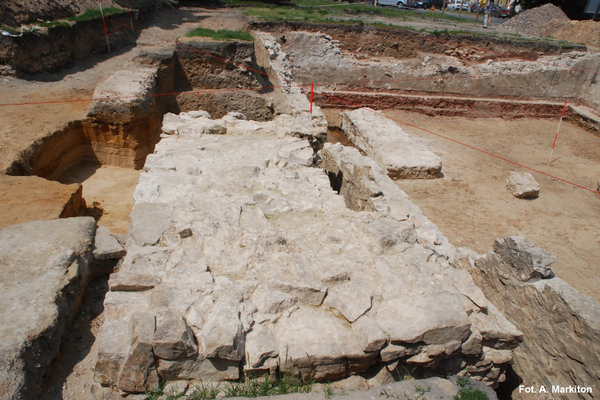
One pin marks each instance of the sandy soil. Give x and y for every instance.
(472, 206)
(109, 189)
(29, 198)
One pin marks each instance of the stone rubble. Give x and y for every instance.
(522, 185)
(254, 262)
(402, 156)
(106, 246)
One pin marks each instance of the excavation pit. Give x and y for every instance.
(106, 151)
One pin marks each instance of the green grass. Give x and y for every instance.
(10, 29)
(204, 391)
(94, 13)
(420, 392)
(251, 387)
(266, 386)
(220, 35)
(160, 394)
(50, 24)
(88, 15)
(327, 11)
(466, 392)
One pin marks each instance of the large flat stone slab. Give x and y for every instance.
(44, 267)
(401, 155)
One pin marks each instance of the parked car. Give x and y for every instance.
(430, 3)
(395, 3)
(500, 12)
(457, 4)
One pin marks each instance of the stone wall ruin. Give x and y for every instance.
(222, 277)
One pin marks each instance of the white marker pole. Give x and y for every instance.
(557, 129)
(104, 23)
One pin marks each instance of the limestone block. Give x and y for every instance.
(106, 246)
(305, 289)
(382, 377)
(381, 139)
(371, 336)
(564, 322)
(271, 301)
(324, 343)
(497, 356)
(132, 282)
(260, 345)
(172, 122)
(451, 347)
(124, 95)
(298, 152)
(140, 360)
(522, 185)
(113, 349)
(472, 346)
(44, 268)
(222, 333)
(173, 339)
(203, 114)
(390, 232)
(170, 296)
(148, 222)
(199, 368)
(496, 331)
(280, 271)
(420, 358)
(350, 299)
(392, 352)
(120, 305)
(354, 382)
(431, 318)
(434, 350)
(203, 126)
(529, 261)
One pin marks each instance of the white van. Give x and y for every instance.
(396, 3)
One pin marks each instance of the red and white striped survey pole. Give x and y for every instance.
(104, 23)
(557, 129)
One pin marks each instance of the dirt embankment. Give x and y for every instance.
(399, 43)
(50, 49)
(21, 12)
(549, 20)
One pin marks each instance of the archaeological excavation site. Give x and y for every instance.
(203, 200)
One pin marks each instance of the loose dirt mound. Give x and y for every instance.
(587, 32)
(549, 20)
(535, 21)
